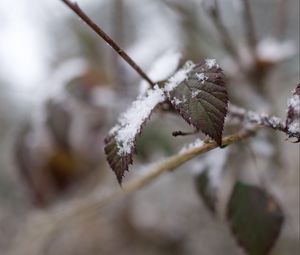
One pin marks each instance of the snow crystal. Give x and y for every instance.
(195, 93)
(294, 103)
(294, 127)
(176, 101)
(162, 69)
(131, 121)
(179, 76)
(201, 77)
(275, 121)
(210, 63)
(254, 117)
(197, 143)
(272, 50)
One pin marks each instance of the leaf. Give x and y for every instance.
(121, 142)
(205, 191)
(255, 218)
(201, 98)
(58, 122)
(293, 114)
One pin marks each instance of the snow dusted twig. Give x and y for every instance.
(262, 119)
(76, 9)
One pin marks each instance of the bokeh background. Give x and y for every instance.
(62, 88)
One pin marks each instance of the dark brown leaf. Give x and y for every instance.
(255, 218)
(201, 99)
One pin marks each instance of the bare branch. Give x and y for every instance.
(76, 9)
(281, 22)
(249, 26)
(214, 12)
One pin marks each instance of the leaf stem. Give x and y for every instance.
(76, 9)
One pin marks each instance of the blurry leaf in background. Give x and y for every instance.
(205, 191)
(58, 121)
(201, 99)
(255, 218)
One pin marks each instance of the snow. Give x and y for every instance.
(275, 121)
(195, 93)
(201, 77)
(179, 76)
(211, 63)
(294, 127)
(131, 121)
(176, 101)
(294, 103)
(162, 69)
(197, 143)
(269, 49)
(214, 161)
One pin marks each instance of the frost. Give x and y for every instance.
(162, 69)
(201, 77)
(179, 76)
(211, 63)
(131, 121)
(197, 143)
(272, 50)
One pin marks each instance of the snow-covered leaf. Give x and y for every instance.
(198, 93)
(293, 114)
(120, 143)
(255, 218)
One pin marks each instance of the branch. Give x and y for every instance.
(249, 26)
(76, 9)
(213, 10)
(281, 22)
(92, 204)
(261, 119)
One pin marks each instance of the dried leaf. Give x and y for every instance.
(201, 98)
(255, 218)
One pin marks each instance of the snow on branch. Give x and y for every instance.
(290, 127)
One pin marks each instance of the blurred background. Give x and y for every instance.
(62, 89)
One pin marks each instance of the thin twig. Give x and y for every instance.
(214, 12)
(256, 118)
(249, 26)
(281, 22)
(76, 9)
